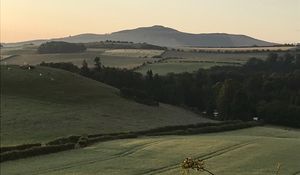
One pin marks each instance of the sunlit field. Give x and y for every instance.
(253, 151)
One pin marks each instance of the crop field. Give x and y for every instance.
(175, 61)
(229, 57)
(141, 53)
(271, 48)
(178, 61)
(44, 103)
(77, 58)
(253, 151)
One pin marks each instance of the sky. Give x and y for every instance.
(270, 20)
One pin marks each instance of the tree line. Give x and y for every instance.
(265, 89)
(60, 47)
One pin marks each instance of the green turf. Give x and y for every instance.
(178, 62)
(45, 103)
(125, 59)
(231, 57)
(254, 151)
(133, 52)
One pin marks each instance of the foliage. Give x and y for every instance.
(60, 47)
(248, 151)
(18, 147)
(269, 90)
(194, 164)
(122, 45)
(139, 96)
(71, 142)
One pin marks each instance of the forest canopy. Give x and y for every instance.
(61, 47)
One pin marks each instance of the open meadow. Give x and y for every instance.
(122, 60)
(253, 151)
(138, 59)
(44, 103)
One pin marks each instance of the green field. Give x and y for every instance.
(188, 61)
(28, 56)
(44, 103)
(271, 48)
(254, 151)
(175, 61)
(229, 57)
(133, 52)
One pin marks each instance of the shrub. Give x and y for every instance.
(18, 147)
(64, 140)
(34, 151)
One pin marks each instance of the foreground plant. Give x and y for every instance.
(193, 164)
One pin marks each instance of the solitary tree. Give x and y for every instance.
(84, 70)
(98, 63)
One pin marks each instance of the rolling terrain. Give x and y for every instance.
(227, 153)
(163, 36)
(121, 58)
(141, 60)
(43, 103)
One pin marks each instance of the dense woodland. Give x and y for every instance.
(269, 90)
(60, 47)
(109, 44)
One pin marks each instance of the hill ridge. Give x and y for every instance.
(163, 36)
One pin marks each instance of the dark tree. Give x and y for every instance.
(84, 70)
(98, 64)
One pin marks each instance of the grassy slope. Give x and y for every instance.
(58, 103)
(253, 151)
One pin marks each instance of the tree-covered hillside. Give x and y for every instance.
(60, 47)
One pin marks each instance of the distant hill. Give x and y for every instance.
(164, 36)
(44, 103)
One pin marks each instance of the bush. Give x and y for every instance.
(34, 151)
(64, 140)
(18, 147)
(62, 65)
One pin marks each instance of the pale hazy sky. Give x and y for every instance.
(272, 20)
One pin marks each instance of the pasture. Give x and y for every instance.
(253, 151)
(188, 61)
(41, 104)
(173, 60)
(140, 53)
(76, 58)
(270, 48)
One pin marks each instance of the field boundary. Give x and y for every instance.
(75, 142)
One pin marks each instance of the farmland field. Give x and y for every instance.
(230, 57)
(133, 52)
(44, 103)
(271, 48)
(253, 151)
(28, 56)
(178, 61)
